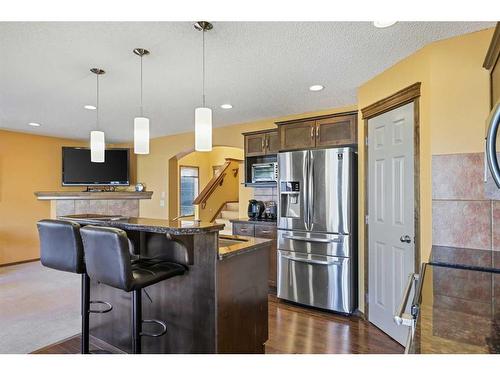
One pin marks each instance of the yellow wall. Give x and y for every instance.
(152, 169)
(453, 109)
(28, 163)
(205, 161)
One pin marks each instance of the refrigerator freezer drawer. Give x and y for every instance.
(319, 281)
(315, 243)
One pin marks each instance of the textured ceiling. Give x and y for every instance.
(263, 69)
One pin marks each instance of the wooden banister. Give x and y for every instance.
(222, 188)
(217, 180)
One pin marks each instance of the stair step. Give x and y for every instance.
(235, 206)
(229, 214)
(228, 226)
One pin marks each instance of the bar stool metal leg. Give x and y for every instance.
(136, 321)
(85, 313)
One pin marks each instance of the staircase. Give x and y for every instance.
(230, 211)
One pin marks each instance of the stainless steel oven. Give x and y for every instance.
(265, 172)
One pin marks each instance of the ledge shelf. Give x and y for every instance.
(85, 195)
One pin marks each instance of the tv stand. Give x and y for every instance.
(95, 189)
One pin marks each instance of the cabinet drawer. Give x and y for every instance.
(244, 229)
(265, 231)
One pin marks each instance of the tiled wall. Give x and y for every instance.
(266, 194)
(465, 210)
(123, 207)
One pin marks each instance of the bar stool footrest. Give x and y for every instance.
(104, 311)
(155, 321)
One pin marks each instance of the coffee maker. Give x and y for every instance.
(255, 209)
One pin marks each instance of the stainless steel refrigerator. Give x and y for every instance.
(317, 244)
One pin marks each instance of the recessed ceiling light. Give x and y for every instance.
(226, 106)
(33, 124)
(383, 24)
(91, 107)
(316, 88)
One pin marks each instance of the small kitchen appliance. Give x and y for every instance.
(255, 209)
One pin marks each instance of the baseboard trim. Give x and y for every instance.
(19, 262)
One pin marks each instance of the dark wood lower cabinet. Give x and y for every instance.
(261, 230)
(218, 306)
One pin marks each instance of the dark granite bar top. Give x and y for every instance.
(253, 221)
(465, 258)
(459, 312)
(176, 227)
(231, 245)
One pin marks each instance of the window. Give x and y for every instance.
(188, 190)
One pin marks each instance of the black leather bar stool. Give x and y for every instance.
(61, 248)
(109, 262)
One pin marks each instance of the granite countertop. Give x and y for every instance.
(459, 312)
(176, 227)
(465, 258)
(241, 245)
(253, 221)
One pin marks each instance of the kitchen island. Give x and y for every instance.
(218, 306)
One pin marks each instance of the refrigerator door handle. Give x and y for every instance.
(311, 261)
(308, 239)
(310, 199)
(306, 188)
(491, 148)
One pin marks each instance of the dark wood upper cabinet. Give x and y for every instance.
(336, 131)
(322, 131)
(273, 142)
(297, 135)
(261, 143)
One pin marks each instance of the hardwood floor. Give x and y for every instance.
(292, 329)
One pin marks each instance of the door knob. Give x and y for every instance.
(406, 238)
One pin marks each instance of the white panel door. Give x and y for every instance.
(390, 215)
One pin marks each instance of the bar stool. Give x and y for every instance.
(109, 262)
(61, 249)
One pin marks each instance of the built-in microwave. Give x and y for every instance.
(265, 172)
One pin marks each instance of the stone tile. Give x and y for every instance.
(465, 224)
(263, 191)
(98, 207)
(129, 207)
(65, 207)
(82, 207)
(458, 176)
(461, 256)
(491, 190)
(496, 225)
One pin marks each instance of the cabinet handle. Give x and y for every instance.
(267, 142)
(263, 143)
(312, 131)
(317, 131)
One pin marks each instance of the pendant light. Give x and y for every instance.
(141, 124)
(97, 141)
(203, 115)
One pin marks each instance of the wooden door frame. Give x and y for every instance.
(398, 99)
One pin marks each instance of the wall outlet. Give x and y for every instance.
(162, 203)
(163, 195)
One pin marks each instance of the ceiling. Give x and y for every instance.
(263, 69)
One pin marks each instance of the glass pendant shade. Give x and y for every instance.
(141, 135)
(97, 146)
(203, 129)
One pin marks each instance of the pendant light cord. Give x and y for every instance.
(97, 111)
(142, 115)
(203, 69)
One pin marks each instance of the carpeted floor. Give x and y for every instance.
(38, 306)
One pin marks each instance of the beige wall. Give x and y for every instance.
(28, 163)
(152, 169)
(453, 109)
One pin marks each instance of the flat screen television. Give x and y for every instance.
(78, 170)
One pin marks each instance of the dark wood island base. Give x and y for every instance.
(218, 306)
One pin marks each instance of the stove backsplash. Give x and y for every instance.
(266, 194)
